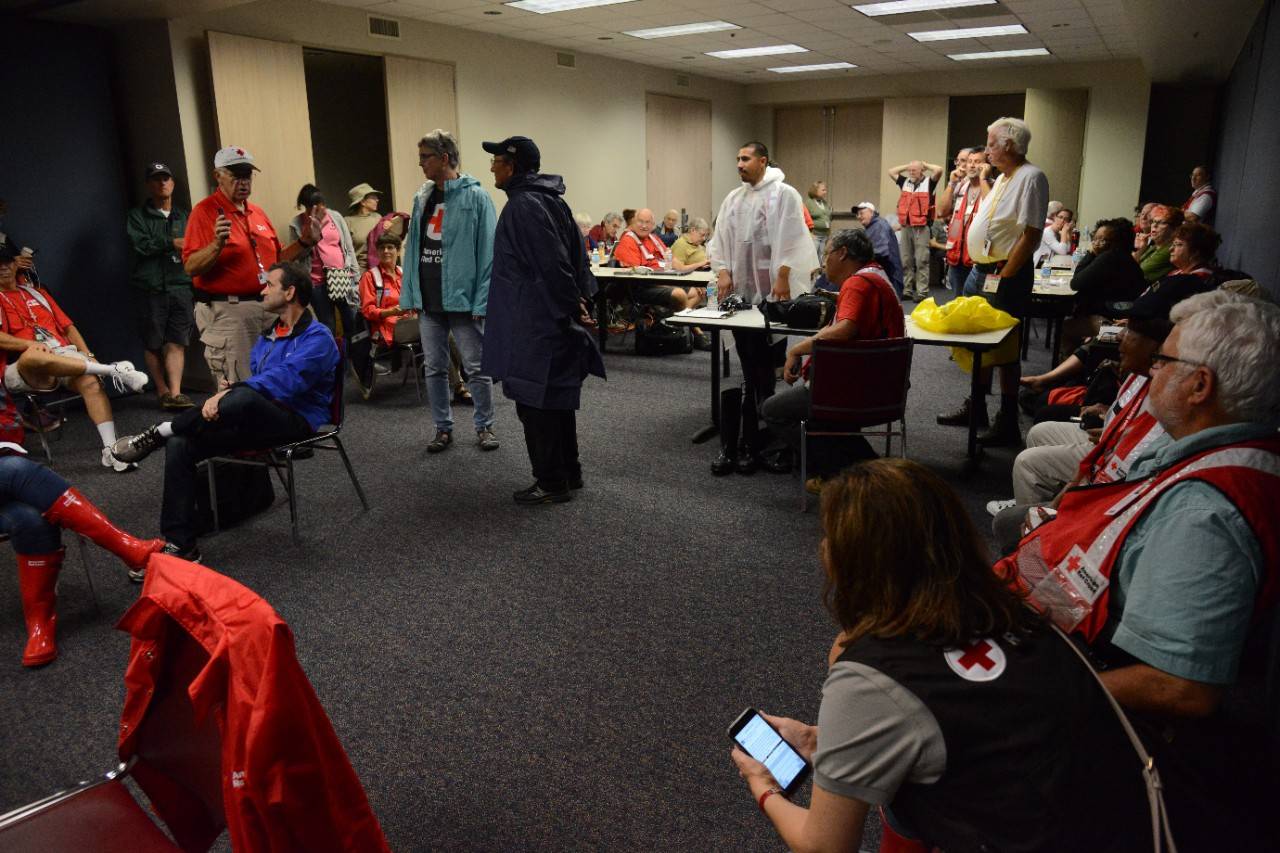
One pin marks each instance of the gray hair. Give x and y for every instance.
(612, 216)
(443, 143)
(699, 224)
(855, 242)
(1015, 130)
(1055, 207)
(1238, 338)
(583, 219)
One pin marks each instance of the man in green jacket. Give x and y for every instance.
(448, 258)
(162, 288)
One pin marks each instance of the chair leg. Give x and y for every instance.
(804, 466)
(213, 494)
(904, 438)
(351, 472)
(88, 575)
(291, 489)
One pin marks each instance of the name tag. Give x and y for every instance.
(992, 283)
(950, 245)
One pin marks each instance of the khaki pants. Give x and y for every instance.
(1051, 460)
(914, 240)
(228, 331)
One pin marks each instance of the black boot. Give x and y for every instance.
(960, 417)
(749, 448)
(730, 420)
(1004, 432)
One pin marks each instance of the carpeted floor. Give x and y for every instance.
(555, 678)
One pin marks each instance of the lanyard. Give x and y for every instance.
(253, 242)
(999, 194)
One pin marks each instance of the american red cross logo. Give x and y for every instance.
(983, 660)
(1073, 563)
(976, 655)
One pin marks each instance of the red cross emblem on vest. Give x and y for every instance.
(983, 660)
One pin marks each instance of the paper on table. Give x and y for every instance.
(709, 313)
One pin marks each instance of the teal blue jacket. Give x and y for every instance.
(469, 223)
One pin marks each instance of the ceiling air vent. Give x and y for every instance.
(566, 60)
(682, 80)
(384, 28)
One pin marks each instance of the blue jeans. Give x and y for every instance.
(973, 284)
(956, 277)
(27, 490)
(468, 334)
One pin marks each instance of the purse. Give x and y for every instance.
(807, 311)
(340, 286)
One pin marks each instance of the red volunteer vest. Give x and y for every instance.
(1209, 191)
(958, 229)
(1126, 436)
(915, 207)
(1065, 564)
(651, 247)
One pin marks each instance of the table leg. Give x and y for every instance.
(602, 319)
(708, 432)
(976, 398)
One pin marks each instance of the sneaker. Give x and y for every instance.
(126, 377)
(702, 341)
(191, 553)
(997, 507)
(110, 461)
(176, 401)
(441, 442)
(960, 417)
(535, 495)
(486, 439)
(135, 448)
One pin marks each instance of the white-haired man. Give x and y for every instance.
(1167, 571)
(1002, 239)
(916, 180)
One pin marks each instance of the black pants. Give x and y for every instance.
(552, 438)
(760, 361)
(246, 421)
(827, 454)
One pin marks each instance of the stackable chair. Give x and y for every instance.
(854, 385)
(281, 459)
(210, 660)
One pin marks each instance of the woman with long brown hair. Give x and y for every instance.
(948, 703)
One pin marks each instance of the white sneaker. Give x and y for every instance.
(997, 507)
(109, 461)
(126, 377)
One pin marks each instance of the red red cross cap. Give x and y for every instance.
(981, 661)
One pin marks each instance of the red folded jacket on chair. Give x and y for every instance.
(286, 782)
(1072, 395)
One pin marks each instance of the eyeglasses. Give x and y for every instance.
(241, 174)
(1160, 359)
(1159, 222)
(422, 158)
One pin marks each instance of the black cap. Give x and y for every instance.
(155, 167)
(518, 148)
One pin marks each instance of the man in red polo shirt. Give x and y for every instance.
(228, 248)
(639, 247)
(866, 309)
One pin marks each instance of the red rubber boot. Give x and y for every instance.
(38, 581)
(892, 842)
(73, 511)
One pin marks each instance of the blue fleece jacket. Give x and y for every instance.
(297, 371)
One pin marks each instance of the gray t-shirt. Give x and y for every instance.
(874, 735)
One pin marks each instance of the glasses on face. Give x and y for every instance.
(1159, 222)
(422, 158)
(1160, 360)
(241, 175)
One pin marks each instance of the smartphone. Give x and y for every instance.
(757, 738)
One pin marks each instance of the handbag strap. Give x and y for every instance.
(1161, 834)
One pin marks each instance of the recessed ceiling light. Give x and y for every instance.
(999, 54)
(770, 50)
(970, 33)
(899, 7)
(688, 57)
(682, 30)
(543, 7)
(492, 12)
(823, 66)
(604, 38)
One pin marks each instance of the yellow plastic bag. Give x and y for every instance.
(967, 315)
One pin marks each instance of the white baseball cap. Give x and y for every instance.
(232, 155)
(866, 204)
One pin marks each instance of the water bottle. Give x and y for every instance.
(713, 300)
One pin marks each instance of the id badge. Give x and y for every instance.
(986, 248)
(262, 277)
(992, 283)
(950, 245)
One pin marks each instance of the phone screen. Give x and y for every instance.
(763, 743)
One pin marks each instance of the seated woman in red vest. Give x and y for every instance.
(948, 704)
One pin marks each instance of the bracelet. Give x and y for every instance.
(766, 795)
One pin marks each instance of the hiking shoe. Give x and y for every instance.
(176, 401)
(140, 574)
(960, 417)
(486, 439)
(190, 553)
(997, 507)
(110, 461)
(135, 448)
(126, 377)
(535, 495)
(441, 442)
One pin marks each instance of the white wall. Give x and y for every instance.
(589, 122)
(914, 129)
(1115, 126)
